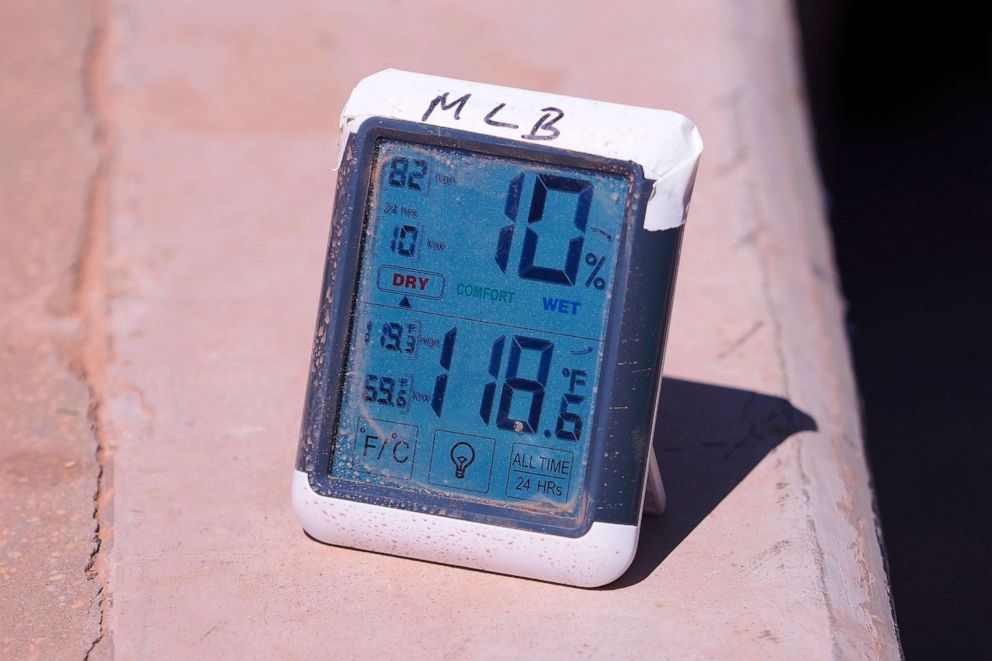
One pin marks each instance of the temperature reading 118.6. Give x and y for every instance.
(516, 392)
(569, 423)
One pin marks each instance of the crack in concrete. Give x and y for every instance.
(91, 301)
(742, 340)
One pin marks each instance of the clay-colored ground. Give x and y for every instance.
(49, 607)
(165, 192)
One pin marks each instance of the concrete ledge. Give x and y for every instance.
(222, 131)
(50, 602)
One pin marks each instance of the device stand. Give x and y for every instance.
(654, 497)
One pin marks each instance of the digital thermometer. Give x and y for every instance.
(488, 350)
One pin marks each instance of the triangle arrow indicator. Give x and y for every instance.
(405, 302)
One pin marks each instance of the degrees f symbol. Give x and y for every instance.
(462, 456)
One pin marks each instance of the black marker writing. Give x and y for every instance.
(458, 104)
(546, 123)
(492, 122)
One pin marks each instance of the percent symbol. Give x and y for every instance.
(598, 283)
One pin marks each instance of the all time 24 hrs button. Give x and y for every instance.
(538, 473)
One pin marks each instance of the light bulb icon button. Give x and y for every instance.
(462, 456)
(461, 461)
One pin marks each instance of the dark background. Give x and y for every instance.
(902, 107)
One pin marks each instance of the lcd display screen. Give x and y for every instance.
(481, 307)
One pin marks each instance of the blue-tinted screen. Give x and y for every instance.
(481, 306)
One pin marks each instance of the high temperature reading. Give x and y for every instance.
(482, 302)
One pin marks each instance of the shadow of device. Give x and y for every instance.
(708, 439)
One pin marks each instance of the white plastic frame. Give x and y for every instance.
(597, 558)
(667, 146)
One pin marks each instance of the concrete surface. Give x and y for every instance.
(49, 607)
(204, 260)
